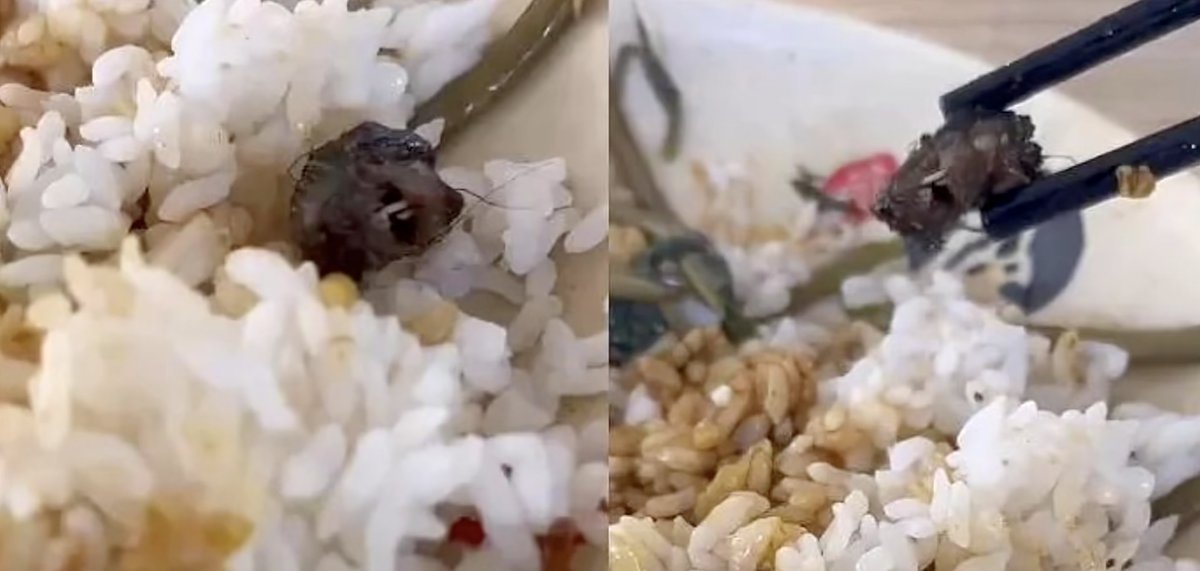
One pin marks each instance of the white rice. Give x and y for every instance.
(1040, 475)
(333, 420)
(280, 422)
(246, 88)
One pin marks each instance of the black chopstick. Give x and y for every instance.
(1111, 36)
(1164, 153)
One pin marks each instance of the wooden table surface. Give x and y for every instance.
(1154, 87)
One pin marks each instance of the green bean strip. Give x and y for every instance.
(624, 285)
(1164, 347)
(507, 60)
(827, 280)
(661, 85)
(631, 166)
(656, 226)
(1146, 347)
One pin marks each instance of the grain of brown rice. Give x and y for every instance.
(436, 325)
(672, 504)
(762, 437)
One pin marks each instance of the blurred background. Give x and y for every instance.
(1154, 87)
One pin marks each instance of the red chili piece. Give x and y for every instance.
(861, 181)
(557, 546)
(468, 531)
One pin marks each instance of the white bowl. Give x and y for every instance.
(773, 86)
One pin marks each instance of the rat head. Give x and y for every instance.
(372, 142)
(917, 203)
(371, 197)
(955, 170)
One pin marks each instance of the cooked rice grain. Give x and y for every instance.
(924, 454)
(287, 420)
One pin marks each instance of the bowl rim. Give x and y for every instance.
(794, 9)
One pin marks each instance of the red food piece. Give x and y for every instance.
(557, 546)
(861, 181)
(468, 531)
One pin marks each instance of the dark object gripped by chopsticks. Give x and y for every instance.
(1163, 154)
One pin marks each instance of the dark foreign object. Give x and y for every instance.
(691, 261)
(634, 327)
(371, 197)
(661, 85)
(972, 157)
